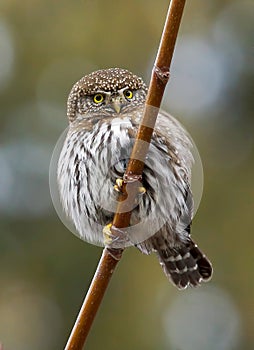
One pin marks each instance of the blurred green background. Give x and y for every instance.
(45, 46)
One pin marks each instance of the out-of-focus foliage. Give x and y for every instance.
(45, 47)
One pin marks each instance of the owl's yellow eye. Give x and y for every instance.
(98, 98)
(128, 94)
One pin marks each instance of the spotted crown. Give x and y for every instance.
(108, 80)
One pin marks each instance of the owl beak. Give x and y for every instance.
(117, 105)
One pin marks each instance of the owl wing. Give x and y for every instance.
(177, 140)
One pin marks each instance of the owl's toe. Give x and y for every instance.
(141, 190)
(116, 239)
(107, 234)
(119, 184)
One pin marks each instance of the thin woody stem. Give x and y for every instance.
(102, 276)
(158, 82)
(110, 257)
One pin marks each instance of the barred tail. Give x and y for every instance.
(185, 265)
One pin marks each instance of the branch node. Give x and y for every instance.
(116, 254)
(162, 73)
(131, 178)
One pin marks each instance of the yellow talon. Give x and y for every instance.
(116, 239)
(118, 185)
(107, 234)
(141, 190)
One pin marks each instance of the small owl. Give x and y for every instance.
(104, 110)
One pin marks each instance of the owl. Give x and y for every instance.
(104, 109)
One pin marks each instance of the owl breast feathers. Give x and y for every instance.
(104, 110)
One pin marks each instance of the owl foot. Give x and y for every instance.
(117, 239)
(107, 234)
(119, 184)
(141, 190)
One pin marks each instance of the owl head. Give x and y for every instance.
(105, 92)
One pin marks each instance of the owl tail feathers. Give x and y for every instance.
(185, 266)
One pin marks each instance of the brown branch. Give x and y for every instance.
(102, 276)
(158, 82)
(133, 175)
